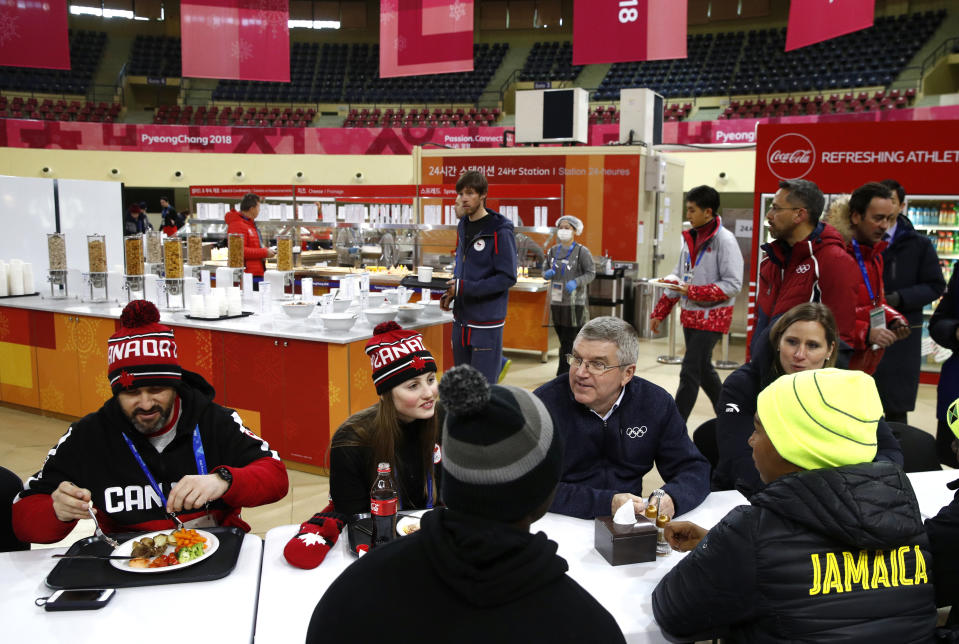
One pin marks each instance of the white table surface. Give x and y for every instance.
(275, 325)
(223, 610)
(288, 595)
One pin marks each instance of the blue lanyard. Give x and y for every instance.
(197, 454)
(862, 268)
(699, 258)
(571, 246)
(429, 490)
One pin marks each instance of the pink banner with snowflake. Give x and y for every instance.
(814, 21)
(425, 37)
(237, 39)
(34, 34)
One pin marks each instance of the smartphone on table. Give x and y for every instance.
(79, 599)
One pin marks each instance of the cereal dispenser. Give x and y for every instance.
(96, 278)
(57, 269)
(235, 257)
(173, 283)
(154, 253)
(133, 280)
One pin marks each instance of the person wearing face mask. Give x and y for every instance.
(569, 267)
(708, 276)
(402, 428)
(802, 339)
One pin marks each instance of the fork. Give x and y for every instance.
(100, 534)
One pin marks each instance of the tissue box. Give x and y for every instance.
(625, 544)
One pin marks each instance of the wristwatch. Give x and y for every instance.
(224, 474)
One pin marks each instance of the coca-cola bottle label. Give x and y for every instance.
(383, 508)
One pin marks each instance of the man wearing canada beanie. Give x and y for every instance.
(832, 549)
(474, 573)
(159, 447)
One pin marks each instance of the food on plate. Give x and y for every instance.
(186, 545)
(410, 528)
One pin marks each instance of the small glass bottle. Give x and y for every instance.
(383, 497)
(662, 546)
(652, 505)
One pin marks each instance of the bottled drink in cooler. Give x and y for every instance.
(383, 506)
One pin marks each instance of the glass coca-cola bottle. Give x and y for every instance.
(383, 506)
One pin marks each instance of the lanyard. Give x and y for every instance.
(570, 252)
(429, 490)
(198, 454)
(699, 258)
(862, 268)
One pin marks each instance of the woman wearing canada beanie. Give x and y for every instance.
(402, 429)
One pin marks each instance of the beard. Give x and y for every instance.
(148, 427)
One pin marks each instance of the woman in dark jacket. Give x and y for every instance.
(804, 338)
(402, 428)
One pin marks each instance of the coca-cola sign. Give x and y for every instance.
(791, 156)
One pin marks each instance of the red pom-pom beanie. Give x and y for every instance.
(396, 356)
(142, 353)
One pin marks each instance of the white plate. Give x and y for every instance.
(125, 548)
(407, 525)
(663, 284)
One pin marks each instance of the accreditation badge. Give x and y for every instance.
(555, 292)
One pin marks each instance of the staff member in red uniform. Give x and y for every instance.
(254, 253)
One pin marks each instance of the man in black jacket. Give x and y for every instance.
(832, 549)
(473, 572)
(159, 446)
(912, 278)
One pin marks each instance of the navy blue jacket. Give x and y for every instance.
(484, 272)
(602, 459)
(942, 328)
(910, 269)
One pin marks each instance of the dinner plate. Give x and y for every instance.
(663, 284)
(125, 548)
(407, 525)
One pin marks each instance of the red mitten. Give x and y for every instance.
(314, 539)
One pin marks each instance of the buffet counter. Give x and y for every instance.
(291, 381)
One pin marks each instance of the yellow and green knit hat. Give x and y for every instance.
(822, 418)
(952, 417)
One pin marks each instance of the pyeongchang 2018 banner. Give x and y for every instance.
(425, 37)
(236, 39)
(812, 21)
(613, 31)
(34, 34)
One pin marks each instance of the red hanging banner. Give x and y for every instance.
(236, 39)
(425, 37)
(812, 21)
(613, 31)
(34, 34)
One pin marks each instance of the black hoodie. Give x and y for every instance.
(461, 579)
(786, 568)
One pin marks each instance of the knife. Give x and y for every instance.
(68, 556)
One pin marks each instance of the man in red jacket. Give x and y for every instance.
(870, 212)
(807, 262)
(243, 222)
(159, 447)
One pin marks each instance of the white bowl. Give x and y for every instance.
(392, 295)
(375, 300)
(298, 309)
(432, 309)
(380, 314)
(338, 321)
(409, 313)
(340, 305)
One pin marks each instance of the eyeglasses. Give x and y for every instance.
(774, 208)
(592, 366)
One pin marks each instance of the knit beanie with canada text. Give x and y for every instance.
(143, 352)
(397, 356)
(501, 457)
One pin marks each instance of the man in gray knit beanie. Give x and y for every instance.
(473, 572)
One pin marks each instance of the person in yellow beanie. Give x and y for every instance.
(943, 531)
(833, 548)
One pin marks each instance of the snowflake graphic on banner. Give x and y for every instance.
(388, 9)
(242, 50)
(8, 27)
(457, 11)
(401, 43)
(273, 14)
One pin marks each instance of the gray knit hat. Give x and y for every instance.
(501, 457)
